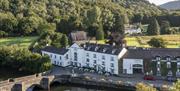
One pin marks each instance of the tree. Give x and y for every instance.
(176, 86)
(94, 16)
(138, 18)
(153, 28)
(143, 87)
(8, 22)
(64, 41)
(119, 24)
(100, 32)
(4, 5)
(165, 28)
(157, 42)
(125, 19)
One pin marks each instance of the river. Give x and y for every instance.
(72, 88)
(78, 88)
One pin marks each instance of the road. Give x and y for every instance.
(129, 79)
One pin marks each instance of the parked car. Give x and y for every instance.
(149, 77)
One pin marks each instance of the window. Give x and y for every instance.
(112, 70)
(87, 60)
(178, 65)
(168, 64)
(103, 63)
(95, 66)
(87, 65)
(55, 56)
(75, 63)
(94, 61)
(94, 55)
(158, 58)
(112, 58)
(158, 64)
(60, 64)
(178, 59)
(103, 57)
(60, 57)
(51, 55)
(112, 65)
(67, 56)
(87, 54)
(75, 56)
(168, 59)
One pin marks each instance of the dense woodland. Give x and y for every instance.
(53, 20)
(27, 17)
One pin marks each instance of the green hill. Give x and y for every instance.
(173, 5)
(23, 17)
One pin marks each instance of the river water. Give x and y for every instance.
(80, 88)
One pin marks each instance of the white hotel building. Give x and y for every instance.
(115, 60)
(99, 57)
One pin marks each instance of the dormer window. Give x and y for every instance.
(158, 58)
(88, 48)
(178, 65)
(178, 58)
(96, 48)
(104, 50)
(113, 51)
(168, 59)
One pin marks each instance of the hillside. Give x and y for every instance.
(174, 5)
(23, 17)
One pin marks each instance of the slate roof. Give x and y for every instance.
(101, 48)
(78, 36)
(150, 53)
(55, 50)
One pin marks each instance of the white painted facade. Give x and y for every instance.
(128, 65)
(78, 56)
(133, 31)
(57, 59)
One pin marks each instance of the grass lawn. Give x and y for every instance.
(173, 41)
(20, 41)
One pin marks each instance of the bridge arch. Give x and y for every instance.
(34, 86)
(55, 83)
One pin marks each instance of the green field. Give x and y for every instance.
(20, 41)
(173, 41)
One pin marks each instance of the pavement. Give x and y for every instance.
(129, 79)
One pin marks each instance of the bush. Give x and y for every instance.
(157, 42)
(3, 34)
(143, 87)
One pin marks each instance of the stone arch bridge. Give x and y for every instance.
(26, 83)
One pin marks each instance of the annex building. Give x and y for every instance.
(116, 60)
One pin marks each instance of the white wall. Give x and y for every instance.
(82, 58)
(59, 60)
(128, 64)
(99, 61)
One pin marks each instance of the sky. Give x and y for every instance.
(159, 2)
